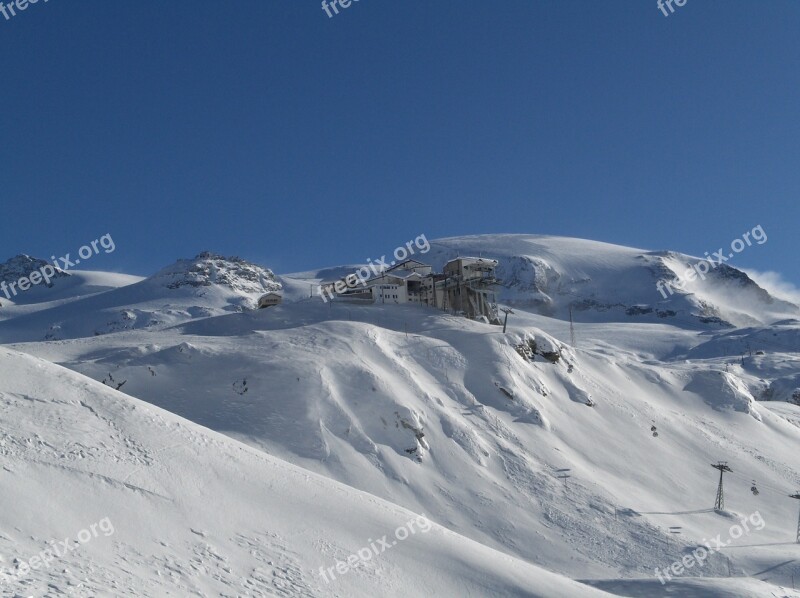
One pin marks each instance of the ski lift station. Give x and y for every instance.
(465, 286)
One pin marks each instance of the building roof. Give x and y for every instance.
(397, 275)
(475, 260)
(405, 263)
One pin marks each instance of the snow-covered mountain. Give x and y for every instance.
(608, 283)
(148, 504)
(23, 265)
(60, 286)
(592, 460)
(204, 286)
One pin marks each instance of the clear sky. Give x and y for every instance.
(266, 129)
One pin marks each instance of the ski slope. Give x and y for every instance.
(550, 464)
(193, 512)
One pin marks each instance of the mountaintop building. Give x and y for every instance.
(466, 286)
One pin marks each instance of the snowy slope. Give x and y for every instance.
(427, 422)
(444, 416)
(605, 282)
(179, 510)
(63, 286)
(206, 285)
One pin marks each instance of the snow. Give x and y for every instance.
(194, 512)
(605, 282)
(343, 420)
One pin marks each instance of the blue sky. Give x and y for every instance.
(265, 129)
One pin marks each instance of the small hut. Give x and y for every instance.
(269, 300)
